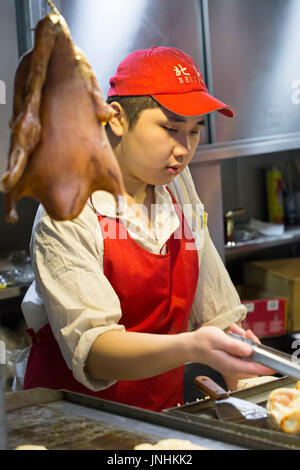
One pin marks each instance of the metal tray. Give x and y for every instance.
(45, 417)
(255, 435)
(62, 420)
(48, 417)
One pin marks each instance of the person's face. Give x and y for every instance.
(159, 147)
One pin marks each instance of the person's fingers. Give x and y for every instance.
(234, 328)
(262, 370)
(249, 334)
(229, 355)
(236, 347)
(245, 333)
(243, 352)
(240, 349)
(232, 365)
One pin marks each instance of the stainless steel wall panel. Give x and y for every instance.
(107, 31)
(8, 63)
(255, 62)
(208, 184)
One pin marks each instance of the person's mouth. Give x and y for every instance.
(174, 169)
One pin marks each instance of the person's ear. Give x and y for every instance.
(119, 122)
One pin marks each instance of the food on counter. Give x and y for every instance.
(254, 381)
(284, 407)
(30, 447)
(170, 444)
(59, 152)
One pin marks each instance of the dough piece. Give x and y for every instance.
(284, 407)
(254, 381)
(170, 444)
(30, 447)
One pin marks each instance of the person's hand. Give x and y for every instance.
(234, 328)
(232, 381)
(213, 347)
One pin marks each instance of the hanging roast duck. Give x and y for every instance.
(59, 153)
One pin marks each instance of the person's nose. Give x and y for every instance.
(182, 148)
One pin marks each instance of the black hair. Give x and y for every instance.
(134, 105)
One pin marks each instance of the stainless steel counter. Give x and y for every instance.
(45, 417)
(62, 420)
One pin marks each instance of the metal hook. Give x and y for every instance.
(53, 7)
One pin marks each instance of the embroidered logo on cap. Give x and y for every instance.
(199, 76)
(180, 70)
(185, 77)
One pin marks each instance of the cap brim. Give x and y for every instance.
(194, 103)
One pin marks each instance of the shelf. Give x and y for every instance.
(208, 153)
(291, 235)
(11, 292)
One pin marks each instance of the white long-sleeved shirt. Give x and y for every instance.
(72, 293)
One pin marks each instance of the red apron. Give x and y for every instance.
(156, 293)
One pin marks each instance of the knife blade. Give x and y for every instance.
(281, 362)
(230, 408)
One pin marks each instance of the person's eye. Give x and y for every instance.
(169, 129)
(195, 132)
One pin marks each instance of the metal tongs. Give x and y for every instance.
(272, 358)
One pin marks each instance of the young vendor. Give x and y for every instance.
(121, 302)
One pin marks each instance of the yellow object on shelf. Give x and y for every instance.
(275, 196)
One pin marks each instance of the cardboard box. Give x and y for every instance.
(281, 277)
(266, 315)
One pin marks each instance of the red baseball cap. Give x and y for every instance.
(171, 77)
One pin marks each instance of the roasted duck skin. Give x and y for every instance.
(59, 152)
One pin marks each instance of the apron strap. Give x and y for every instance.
(33, 336)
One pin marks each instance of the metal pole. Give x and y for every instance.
(3, 428)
